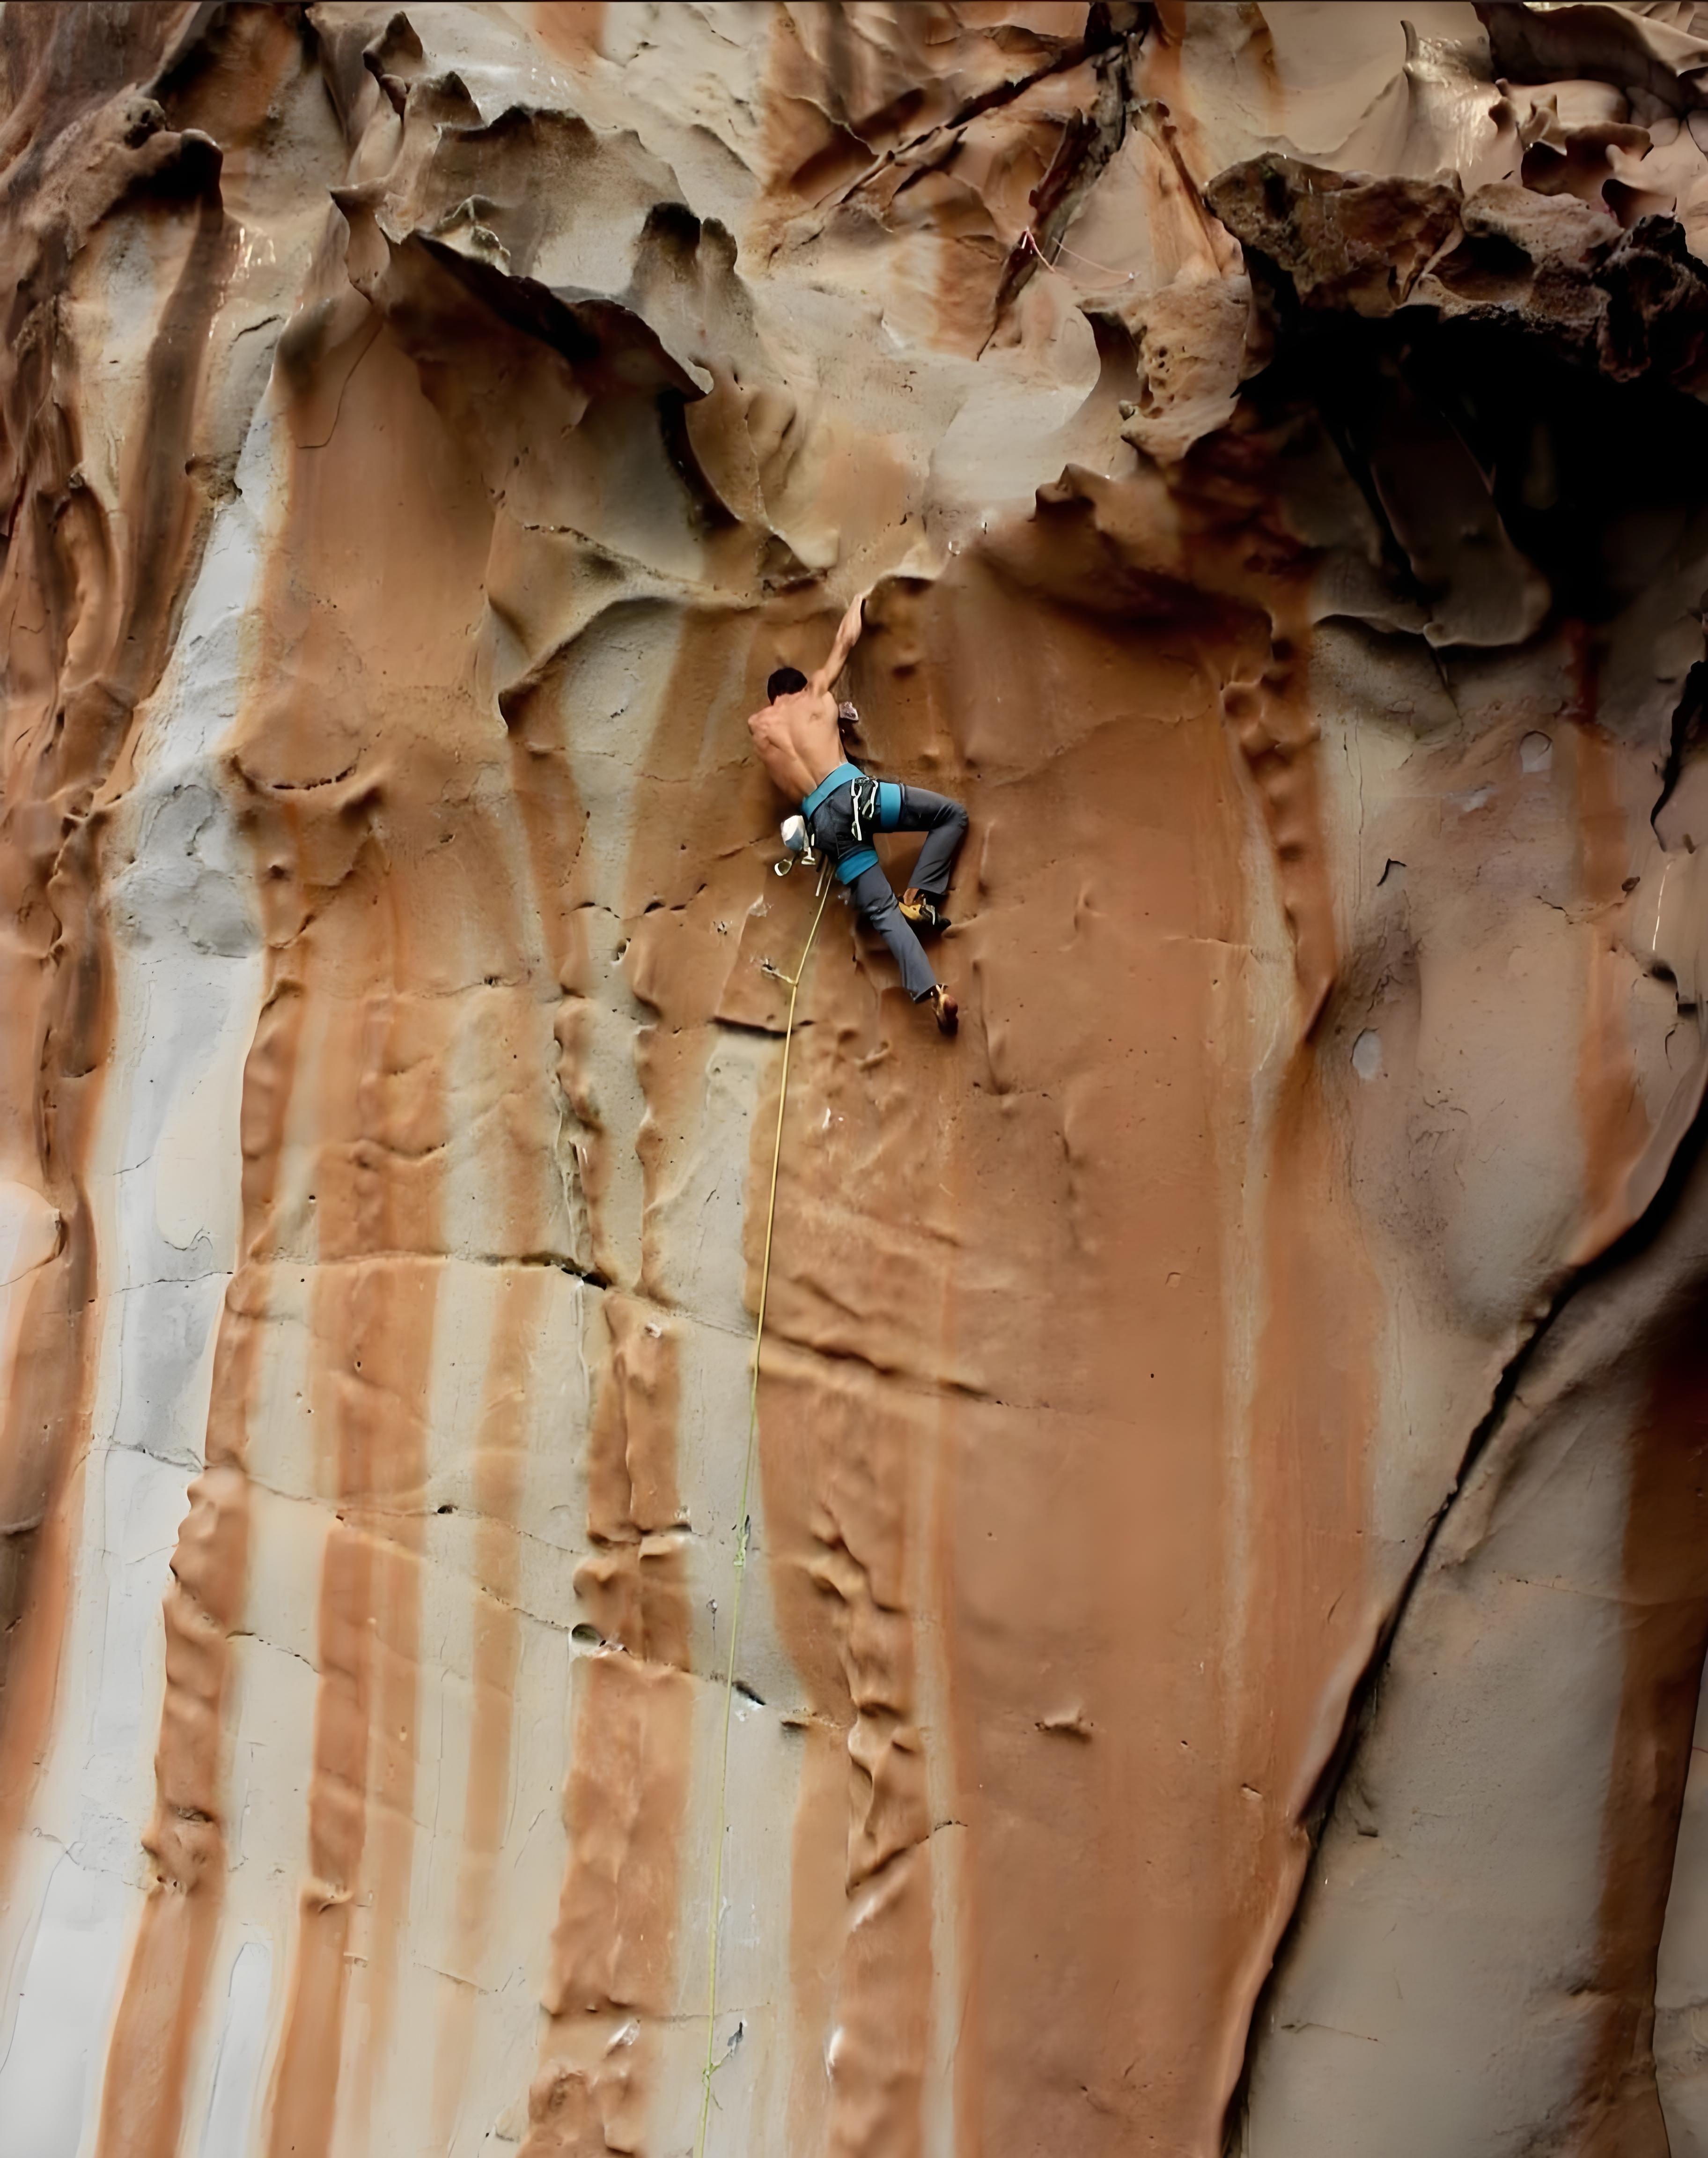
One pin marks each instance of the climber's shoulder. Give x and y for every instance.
(776, 733)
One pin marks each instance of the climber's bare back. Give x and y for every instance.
(796, 734)
(797, 738)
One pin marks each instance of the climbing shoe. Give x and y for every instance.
(945, 1010)
(922, 912)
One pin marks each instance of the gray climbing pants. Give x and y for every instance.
(944, 823)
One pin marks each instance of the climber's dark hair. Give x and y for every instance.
(785, 683)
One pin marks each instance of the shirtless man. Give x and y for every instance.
(799, 740)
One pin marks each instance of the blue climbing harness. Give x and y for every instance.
(843, 776)
(876, 807)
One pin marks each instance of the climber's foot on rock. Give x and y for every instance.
(944, 1010)
(923, 912)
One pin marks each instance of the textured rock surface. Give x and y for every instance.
(1229, 1579)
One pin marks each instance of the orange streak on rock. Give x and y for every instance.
(613, 1947)
(1666, 1634)
(500, 1456)
(1614, 1120)
(839, 1536)
(373, 1308)
(624, 1812)
(1307, 1618)
(36, 1582)
(149, 2055)
(554, 829)
(307, 2078)
(373, 1332)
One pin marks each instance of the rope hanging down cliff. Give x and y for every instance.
(742, 1527)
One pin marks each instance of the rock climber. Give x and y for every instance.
(799, 738)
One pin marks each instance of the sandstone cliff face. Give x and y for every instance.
(1227, 1581)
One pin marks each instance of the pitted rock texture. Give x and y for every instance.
(1226, 1571)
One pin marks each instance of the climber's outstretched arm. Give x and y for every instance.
(848, 635)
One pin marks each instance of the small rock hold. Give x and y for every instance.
(1066, 1723)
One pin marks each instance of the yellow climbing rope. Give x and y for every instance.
(741, 1525)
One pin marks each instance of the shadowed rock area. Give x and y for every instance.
(1224, 1572)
